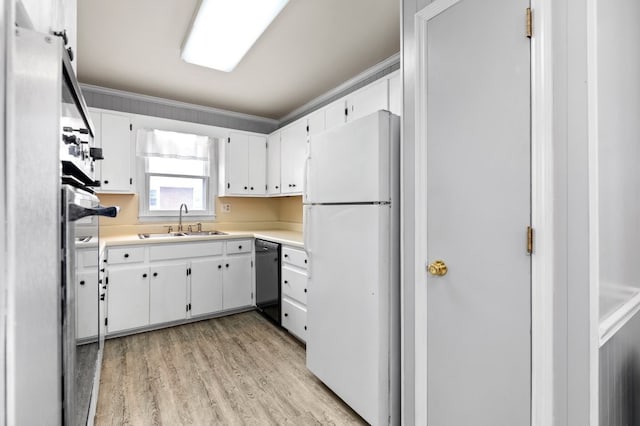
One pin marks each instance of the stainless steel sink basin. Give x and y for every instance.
(161, 235)
(179, 234)
(195, 233)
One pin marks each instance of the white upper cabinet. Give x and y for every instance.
(368, 100)
(293, 146)
(113, 134)
(335, 113)
(257, 165)
(395, 94)
(273, 164)
(316, 122)
(243, 162)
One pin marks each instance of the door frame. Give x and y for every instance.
(542, 202)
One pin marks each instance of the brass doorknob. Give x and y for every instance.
(438, 268)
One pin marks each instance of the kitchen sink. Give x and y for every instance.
(196, 233)
(161, 235)
(179, 234)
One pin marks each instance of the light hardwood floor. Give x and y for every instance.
(233, 370)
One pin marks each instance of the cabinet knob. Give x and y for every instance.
(245, 187)
(219, 266)
(144, 275)
(293, 184)
(106, 182)
(286, 314)
(227, 265)
(252, 188)
(155, 274)
(82, 282)
(305, 327)
(286, 255)
(277, 187)
(286, 282)
(239, 247)
(126, 255)
(305, 290)
(305, 261)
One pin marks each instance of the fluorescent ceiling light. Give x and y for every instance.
(224, 30)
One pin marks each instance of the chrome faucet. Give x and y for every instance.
(186, 210)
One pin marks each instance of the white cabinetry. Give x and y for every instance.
(395, 94)
(294, 291)
(128, 297)
(167, 292)
(316, 122)
(273, 164)
(293, 146)
(335, 113)
(113, 134)
(87, 290)
(155, 284)
(368, 100)
(206, 286)
(243, 162)
(237, 282)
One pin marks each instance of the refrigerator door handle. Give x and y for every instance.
(305, 237)
(78, 212)
(305, 179)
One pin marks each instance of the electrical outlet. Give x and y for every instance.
(226, 208)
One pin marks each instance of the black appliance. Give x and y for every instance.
(268, 279)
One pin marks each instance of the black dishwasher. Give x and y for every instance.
(268, 279)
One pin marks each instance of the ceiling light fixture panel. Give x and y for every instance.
(223, 31)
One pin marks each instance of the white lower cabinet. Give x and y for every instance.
(87, 301)
(174, 282)
(206, 286)
(294, 291)
(128, 298)
(167, 292)
(237, 286)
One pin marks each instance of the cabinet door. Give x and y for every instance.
(273, 164)
(368, 100)
(168, 293)
(115, 137)
(236, 281)
(128, 298)
(294, 150)
(334, 114)
(206, 286)
(315, 123)
(395, 95)
(237, 166)
(257, 165)
(87, 319)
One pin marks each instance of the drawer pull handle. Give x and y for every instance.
(144, 275)
(155, 274)
(126, 255)
(82, 282)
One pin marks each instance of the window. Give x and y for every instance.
(175, 168)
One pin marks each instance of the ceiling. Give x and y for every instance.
(310, 48)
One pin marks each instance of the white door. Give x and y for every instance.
(237, 163)
(116, 147)
(349, 300)
(206, 286)
(257, 165)
(236, 282)
(168, 293)
(352, 163)
(474, 120)
(368, 100)
(273, 164)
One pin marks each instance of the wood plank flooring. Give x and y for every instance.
(234, 370)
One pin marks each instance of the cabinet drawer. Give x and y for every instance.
(87, 258)
(295, 257)
(181, 250)
(294, 319)
(239, 246)
(294, 284)
(125, 255)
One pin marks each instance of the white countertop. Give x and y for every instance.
(290, 238)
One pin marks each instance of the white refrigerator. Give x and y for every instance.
(351, 208)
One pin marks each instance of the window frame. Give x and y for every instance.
(145, 214)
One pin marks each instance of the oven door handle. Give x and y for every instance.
(78, 212)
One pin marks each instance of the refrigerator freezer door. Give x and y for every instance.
(352, 163)
(348, 310)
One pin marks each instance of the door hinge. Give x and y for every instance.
(228, 140)
(346, 112)
(529, 240)
(130, 181)
(130, 127)
(251, 295)
(186, 308)
(228, 185)
(252, 263)
(307, 128)
(189, 306)
(106, 282)
(106, 321)
(529, 22)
